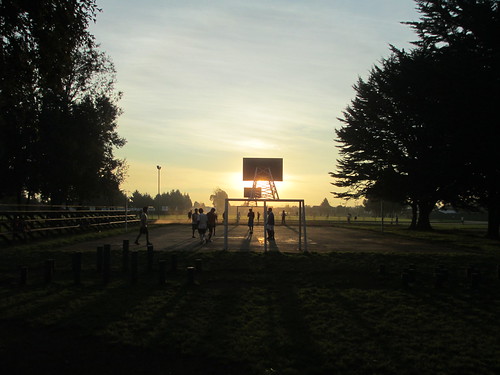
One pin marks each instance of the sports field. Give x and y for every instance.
(359, 302)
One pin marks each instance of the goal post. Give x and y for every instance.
(302, 231)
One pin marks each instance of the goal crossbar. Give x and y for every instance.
(302, 219)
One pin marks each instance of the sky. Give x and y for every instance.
(208, 83)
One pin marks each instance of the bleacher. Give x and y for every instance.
(25, 223)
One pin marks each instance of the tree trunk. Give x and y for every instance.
(424, 212)
(493, 220)
(414, 215)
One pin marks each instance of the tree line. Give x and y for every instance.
(422, 128)
(58, 105)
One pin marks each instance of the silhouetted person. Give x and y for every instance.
(258, 216)
(190, 213)
(202, 225)
(144, 226)
(251, 217)
(270, 224)
(194, 222)
(212, 222)
(283, 216)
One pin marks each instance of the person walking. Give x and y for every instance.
(270, 224)
(194, 222)
(212, 222)
(144, 226)
(283, 216)
(251, 217)
(202, 225)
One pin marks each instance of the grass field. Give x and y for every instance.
(251, 313)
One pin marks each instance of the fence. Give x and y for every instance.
(23, 223)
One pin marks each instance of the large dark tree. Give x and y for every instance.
(418, 127)
(467, 32)
(57, 102)
(394, 143)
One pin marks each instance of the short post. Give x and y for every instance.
(405, 278)
(163, 270)
(440, 276)
(23, 277)
(198, 265)
(150, 257)
(99, 257)
(77, 267)
(412, 270)
(382, 270)
(173, 263)
(125, 255)
(49, 270)
(190, 275)
(475, 278)
(106, 264)
(134, 266)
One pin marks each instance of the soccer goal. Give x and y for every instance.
(237, 215)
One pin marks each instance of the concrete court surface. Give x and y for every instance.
(178, 237)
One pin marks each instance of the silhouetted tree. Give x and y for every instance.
(139, 200)
(467, 32)
(408, 133)
(57, 103)
(218, 198)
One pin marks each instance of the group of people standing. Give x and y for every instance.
(269, 222)
(202, 222)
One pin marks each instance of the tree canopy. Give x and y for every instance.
(417, 129)
(58, 105)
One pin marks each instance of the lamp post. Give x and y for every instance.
(159, 168)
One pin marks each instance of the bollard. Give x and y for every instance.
(412, 270)
(163, 270)
(406, 278)
(469, 271)
(77, 267)
(23, 277)
(197, 264)
(134, 266)
(173, 263)
(382, 270)
(150, 257)
(125, 255)
(49, 270)
(475, 278)
(106, 264)
(440, 276)
(190, 275)
(99, 256)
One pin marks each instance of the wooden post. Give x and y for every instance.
(198, 265)
(106, 264)
(163, 270)
(49, 270)
(134, 266)
(173, 262)
(23, 277)
(98, 265)
(190, 275)
(382, 270)
(125, 255)
(150, 257)
(77, 267)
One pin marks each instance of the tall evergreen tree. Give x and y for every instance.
(59, 123)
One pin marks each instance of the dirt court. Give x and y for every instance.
(178, 237)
